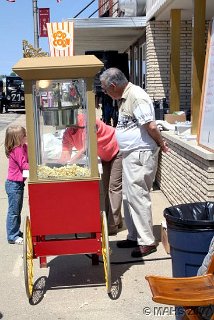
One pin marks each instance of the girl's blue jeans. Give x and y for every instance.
(15, 192)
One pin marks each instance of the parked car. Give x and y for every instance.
(1, 96)
(12, 95)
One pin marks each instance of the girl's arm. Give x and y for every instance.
(21, 157)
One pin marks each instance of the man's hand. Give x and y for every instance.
(164, 147)
(65, 157)
(77, 157)
(154, 132)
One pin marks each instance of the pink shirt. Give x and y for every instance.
(18, 161)
(107, 146)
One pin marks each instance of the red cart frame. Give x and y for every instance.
(57, 213)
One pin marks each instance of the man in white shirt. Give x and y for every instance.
(139, 141)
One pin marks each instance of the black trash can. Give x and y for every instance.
(190, 229)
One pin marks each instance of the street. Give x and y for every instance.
(71, 288)
(6, 118)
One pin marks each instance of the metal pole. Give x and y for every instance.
(35, 23)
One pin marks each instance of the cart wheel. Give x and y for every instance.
(28, 258)
(106, 252)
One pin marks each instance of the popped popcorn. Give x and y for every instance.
(68, 171)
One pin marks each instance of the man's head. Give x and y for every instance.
(113, 82)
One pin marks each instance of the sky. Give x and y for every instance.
(16, 24)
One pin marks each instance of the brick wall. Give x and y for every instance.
(158, 61)
(184, 176)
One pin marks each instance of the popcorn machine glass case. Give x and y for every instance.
(61, 123)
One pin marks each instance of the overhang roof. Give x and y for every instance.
(161, 9)
(115, 33)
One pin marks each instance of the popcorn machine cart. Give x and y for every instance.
(66, 215)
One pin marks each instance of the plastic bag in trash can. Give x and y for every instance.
(198, 215)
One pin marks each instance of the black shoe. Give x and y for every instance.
(126, 244)
(142, 251)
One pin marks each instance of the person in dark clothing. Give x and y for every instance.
(107, 109)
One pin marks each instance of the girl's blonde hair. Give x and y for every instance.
(13, 138)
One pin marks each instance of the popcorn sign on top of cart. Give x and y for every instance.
(61, 35)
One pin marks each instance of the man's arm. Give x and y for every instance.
(78, 156)
(154, 132)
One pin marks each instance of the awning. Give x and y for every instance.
(116, 33)
(161, 9)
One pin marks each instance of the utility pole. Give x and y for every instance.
(35, 24)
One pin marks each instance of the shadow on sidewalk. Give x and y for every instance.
(77, 271)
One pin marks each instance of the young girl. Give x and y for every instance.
(16, 152)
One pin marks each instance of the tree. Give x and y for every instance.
(30, 52)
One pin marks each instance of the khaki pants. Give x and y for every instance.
(139, 169)
(112, 185)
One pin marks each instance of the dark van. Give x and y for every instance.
(13, 94)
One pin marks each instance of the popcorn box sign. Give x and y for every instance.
(60, 35)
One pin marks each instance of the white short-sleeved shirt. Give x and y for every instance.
(135, 110)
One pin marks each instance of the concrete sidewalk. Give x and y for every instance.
(74, 288)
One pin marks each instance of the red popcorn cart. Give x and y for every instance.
(65, 211)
